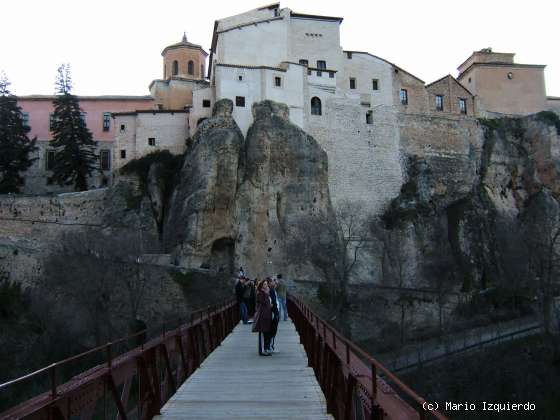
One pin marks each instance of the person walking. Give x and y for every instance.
(281, 293)
(240, 288)
(275, 312)
(263, 318)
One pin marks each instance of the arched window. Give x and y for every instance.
(190, 67)
(175, 68)
(315, 106)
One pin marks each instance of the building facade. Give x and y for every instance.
(501, 86)
(353, 102)
(97, 112)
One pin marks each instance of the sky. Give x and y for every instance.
(114, 47)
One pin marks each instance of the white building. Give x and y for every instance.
(345, 99)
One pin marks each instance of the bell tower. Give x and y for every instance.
(184, 60)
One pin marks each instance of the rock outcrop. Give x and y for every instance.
(240, 201)
(479, 226)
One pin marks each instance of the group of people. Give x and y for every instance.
(262, 303)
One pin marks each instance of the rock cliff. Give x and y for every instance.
(239, 200)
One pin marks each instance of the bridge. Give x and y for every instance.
(207, 367)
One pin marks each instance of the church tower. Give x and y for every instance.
(184, 70)
(184, 60)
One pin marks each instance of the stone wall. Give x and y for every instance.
(364, 159)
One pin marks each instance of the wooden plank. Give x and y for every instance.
(234, 382)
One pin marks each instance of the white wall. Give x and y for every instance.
(170, 131)
(257, 85)
(124, 140)
(263, 44)
(364, 68)
(198, 111)
(304, 44)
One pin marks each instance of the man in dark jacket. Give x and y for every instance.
(239, 292)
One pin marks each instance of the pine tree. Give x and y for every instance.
(75, 157)
(15, 146)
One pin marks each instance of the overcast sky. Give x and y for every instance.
(114, 47)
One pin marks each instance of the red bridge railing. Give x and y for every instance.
(135, 384)
(345, 373)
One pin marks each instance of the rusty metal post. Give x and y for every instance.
(109, 355)
(52, 373)
(350, 384)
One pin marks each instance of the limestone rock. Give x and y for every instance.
(284, 185)
(240, 201)
(155, 192)
(201, 209)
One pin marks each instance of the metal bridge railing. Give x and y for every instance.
(345, 374)
(135, 384)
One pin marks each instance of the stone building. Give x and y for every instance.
(356, 104)
(183, 71)
(502, 86)
(97, 110)
(448, 95)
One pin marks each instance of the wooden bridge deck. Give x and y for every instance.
(234, 382)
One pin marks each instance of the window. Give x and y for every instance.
(201, 71)
(25, 119)
(106, 121)
(123, 128)
(105, 159)
(49, 160)
(352, 83)
(304, 62)
(240, 101)
(175, 68)
(151, 141)
(51, 121)
(369, 117)
(375, 84)
(83, 116)
(315, 106)
(462, 105)
(206, 103)
(439, 102)
(321, 65)
(190, 67)
(349, 55)
(309, 72)
(240, 78)
(404, 96)
(123, 154)
(277, 81)
(331, 74)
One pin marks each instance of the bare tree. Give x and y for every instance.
(395, 260)
(103, 276)
(542, 233)
(331, 243)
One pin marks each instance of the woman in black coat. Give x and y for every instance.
(263, 318)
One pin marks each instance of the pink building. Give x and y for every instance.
(97, 109)
(37, 110)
